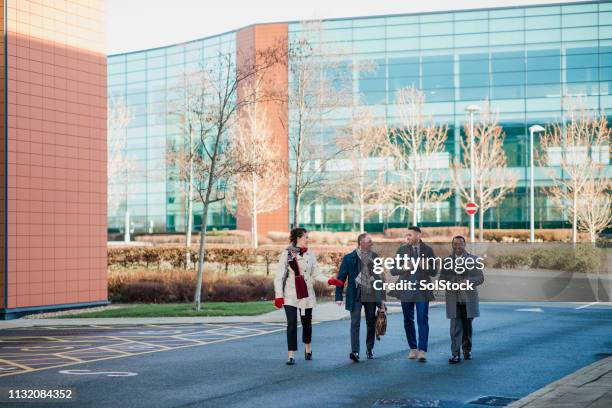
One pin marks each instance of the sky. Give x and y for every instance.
(140, 24)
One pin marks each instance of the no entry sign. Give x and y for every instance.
(471, 208)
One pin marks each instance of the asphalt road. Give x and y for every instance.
(517, 349)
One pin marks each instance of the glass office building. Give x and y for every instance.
(148, 83)
(523, 60)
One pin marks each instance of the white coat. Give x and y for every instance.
(309, 268)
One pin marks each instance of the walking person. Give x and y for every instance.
(416, 298)
(294, 290)
(462, 306)
(358, 267)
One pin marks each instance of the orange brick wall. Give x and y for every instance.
(56, 152)
(2, 173)
(261, 37)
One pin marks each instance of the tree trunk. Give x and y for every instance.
(126, 233)
(189, 223)
(415, 208)
(202, 253)
(480, 223)
(254, 241)
(189, 204)
(575, 218)
(296, 210)
(415, 195)
(361, 217)
(361, 205)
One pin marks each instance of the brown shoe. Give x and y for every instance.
(422, 356)
(413, 354)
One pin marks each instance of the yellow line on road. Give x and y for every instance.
(143, 352)
(23, 367)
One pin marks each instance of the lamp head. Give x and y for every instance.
(472, 108)
(536, 128)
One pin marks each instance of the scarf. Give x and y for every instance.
(301, 289)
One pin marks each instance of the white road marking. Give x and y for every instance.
(107, 373)
(533, 309)
(587, 305)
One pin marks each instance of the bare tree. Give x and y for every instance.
(579, 148)
(119, 164)
(416, 147)
(357, 179)
(492, 180)
(214, 94)
(184, 154)
(256, 192)
(319, 83)
(594, 211)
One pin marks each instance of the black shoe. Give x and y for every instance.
(454, 360)
(467, 355)
(354, 357)
(307, 356)
(290, 361)
(370, 355)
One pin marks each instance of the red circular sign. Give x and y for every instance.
(471, 208)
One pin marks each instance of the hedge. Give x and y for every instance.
(174, 257)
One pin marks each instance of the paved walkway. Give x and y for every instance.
(323, 312)
(590, 387)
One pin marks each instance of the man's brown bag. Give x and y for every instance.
(381, 321)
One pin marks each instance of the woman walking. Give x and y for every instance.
(294, 289)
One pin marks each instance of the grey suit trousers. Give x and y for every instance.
(461, 331)
(370, 315)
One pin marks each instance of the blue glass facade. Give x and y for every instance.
(524, 60)
(149, 83)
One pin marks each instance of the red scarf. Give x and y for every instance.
(301, 288)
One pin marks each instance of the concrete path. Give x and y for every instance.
(323, 312)
(590, 387)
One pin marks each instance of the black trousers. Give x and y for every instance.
(291, 312)
(461, 331)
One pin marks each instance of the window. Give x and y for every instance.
(474, 76)
(403, 72)
(543, 73)
(582, 71)
(438, 82)
(508, 75)
(372, 84)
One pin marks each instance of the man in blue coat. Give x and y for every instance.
(357, 269)
(416, 298)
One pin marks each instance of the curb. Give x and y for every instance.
(550, 395)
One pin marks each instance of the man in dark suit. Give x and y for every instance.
(358, 267)
(461, 305)
(416, 298)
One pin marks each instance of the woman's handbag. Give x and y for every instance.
(381, 321)
(301, 290)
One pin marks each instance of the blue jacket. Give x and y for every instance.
(349, 269)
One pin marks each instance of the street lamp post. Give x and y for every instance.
(532, 130)
(471, 110)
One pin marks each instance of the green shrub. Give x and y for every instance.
(581, 258)
(512, 261)
(174, 256)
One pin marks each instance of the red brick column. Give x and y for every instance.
(254, 38)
